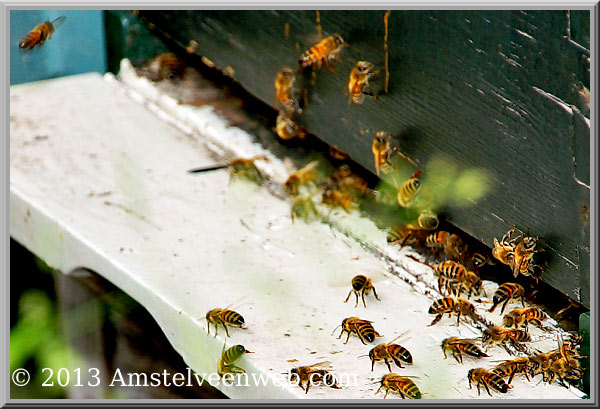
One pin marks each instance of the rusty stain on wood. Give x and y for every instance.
(286, 31)
(319, 28)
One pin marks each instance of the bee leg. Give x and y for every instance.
(356, 293)
(375, 294)
(479, 388)
(378, 389)
(523, 301)
(307, 386)
(486, 388)
(512, 375)
(328, 64)
(226, 330)
(363, 298)
(504, 306)
(348, 338)
(386, 393)
(208, 326)
(347, 298)
(436, 320)
(341, 333)
(373, 364)
(389, 366)
(493, 308)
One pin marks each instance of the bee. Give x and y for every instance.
(409, 190)
(358, 85)
(479, 260)
(503, 250)
(487, 379)
(450, 306)
(522, 317)
(362, 328)
(540, 364)
(325, 51)
(226, 364)
(400, 384)
(507, 292)
(460, 346)
(224, 317)
(523, 254)
(336, 153)
(564, 366)
(288, 129)
(301, 177)
(454, 247)
(314, 374)
(284, 89)
(449, 271)
(390, 351)
(508, 369)
(240, 167)
(428, 220)
(165, 66)
(304, 207)
(469, 282)
(405, 236)
(500, 336)
(381, 151)
(334, 198)
(41, 33)
(437, 239)
(363, 285)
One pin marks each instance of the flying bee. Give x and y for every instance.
(362, 328)
(336, 153)
(390, 351)
(348, 182)
(358, 85)
(454, 247)
(41, 33)
(428, 220)
(507, 292)
(240, 167)
(284, 90)
(314, 374)
(165, 66)
(451, 306)
(409, 190)
(522, 317)
(363, 285)
(508, 369)
(381, 151)
(226, 364)
(288, 129)
(324, 52)
(487, 379)
(460, 346)
(523, 254)
(301, 177)
(400, 384)
(224, 317)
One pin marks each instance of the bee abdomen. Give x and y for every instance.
(401, 353)
(359, 282)
(232, 318)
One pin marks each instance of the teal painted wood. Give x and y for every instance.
(482, 88)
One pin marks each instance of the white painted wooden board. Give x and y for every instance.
(190, 243)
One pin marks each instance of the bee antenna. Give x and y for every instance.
(362, 356)
(335, 329)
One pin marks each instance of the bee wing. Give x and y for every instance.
(399, 336)
(320, 365)
(57, 22)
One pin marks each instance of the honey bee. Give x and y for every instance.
(165, 66)
(284, 89)
(508, 369)
(501, 336)
(240, 167)
(336, 153)
(304, 207)
(362, 328)
(522, 317)
(363, 285)
(41, 33)
(409, 190)
(428, 220)
(437, 239)
(400, 384)
(381, 151)
(523, 254)
(450, 306)
(540, 364)
(325, 51)
(503, 250)
(507, 292)
(390, 351)
(288, 129)
(301, 177)
(358, 85)
(478, 260)
(487, 379)
(335, 198)
(449, 270)
(405, 236)
(454, 247)
(564, 365)
(471, 283)
(314, 374)
(226, 364)
(224, 317)
(460, 346)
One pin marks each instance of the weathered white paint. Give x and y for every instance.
(182, 244)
